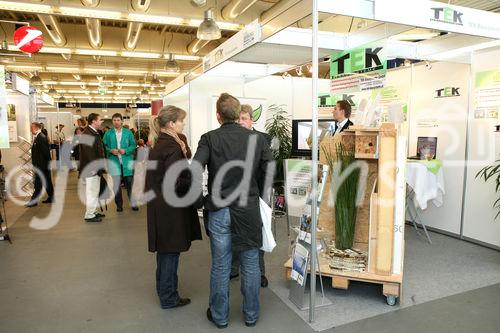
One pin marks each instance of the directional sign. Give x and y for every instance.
(28, 39)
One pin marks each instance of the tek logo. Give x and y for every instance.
(348, 98)
(361, 60)
(447, 15)
(447, 92)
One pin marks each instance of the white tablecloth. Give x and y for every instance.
(426, 185)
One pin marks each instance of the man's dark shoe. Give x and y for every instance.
(209, 317)
(99, 215)
(31, 204)
(231, 277)
(263, 281)
(182, 302)
(251, 324)
(135, 208)
(94, 219)
(119, 209)
(48, 200)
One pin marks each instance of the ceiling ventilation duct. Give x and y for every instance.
(134, 28)
(140, 5)
(94, 32)
(235, 8)
(53, 28)
(90, 3)
(196, 45)
(132, 37)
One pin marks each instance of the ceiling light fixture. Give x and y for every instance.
(172, 65)
(77, 77)
(309, 68)
(155, 82)
(208, 29)
(52, 91)
(62, 99)
(286, 75)
(36, 80)
(298, 70)
(198, 3)
(144, 93)
(407, 63)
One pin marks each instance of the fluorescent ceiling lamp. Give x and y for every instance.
(96, 52)
(155, 19)
(25, 7)
(93, 13)
(24, 67)
(132, 54)
(57, 50)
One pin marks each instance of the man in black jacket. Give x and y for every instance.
(40, 158)
(234, 156)
(341, 114)
(92, 166)
(246, 120)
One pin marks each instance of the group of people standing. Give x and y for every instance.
(235, 230)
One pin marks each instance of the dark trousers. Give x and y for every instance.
(127, 181)
(235, 265)
(49, 188)
(166, 279)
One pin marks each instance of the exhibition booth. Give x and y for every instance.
(435, 93)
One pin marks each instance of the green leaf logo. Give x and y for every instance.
(257, 113)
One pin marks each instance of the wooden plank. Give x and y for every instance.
(386, 189)
(372, 252)
(391, 289)
(340, 282)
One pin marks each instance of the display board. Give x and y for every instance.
(11, 117)
(439, 109)
(484, 148)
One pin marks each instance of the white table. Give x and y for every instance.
(424, 186)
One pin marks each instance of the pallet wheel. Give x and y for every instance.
(391, 300)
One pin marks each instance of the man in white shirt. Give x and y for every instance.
(341, 114)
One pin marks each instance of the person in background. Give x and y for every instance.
(40, 158)
(92, 174)
(233, 227)
(170, 229)
(341, 114)
(246, 121)
(81, 123)
(120, 147)
(59, 139)
(44, 130)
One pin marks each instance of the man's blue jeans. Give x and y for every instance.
(219, 225)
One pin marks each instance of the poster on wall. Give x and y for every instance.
(487, 97)
(4, 126)
(11, 118)
(259, 107)
(359, 69)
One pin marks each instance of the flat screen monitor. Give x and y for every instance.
(302, 135)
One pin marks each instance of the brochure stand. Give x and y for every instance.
(301, 258)
(26, 167)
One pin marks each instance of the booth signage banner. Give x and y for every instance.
(247, 37)
(28, 39)
(359, 69)
(4, 126)
(11, 119)
(439, 16)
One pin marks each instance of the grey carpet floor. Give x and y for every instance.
(78, 277)
(432, 271)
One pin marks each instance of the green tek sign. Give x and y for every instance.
(366, 59)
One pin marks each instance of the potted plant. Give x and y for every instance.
(492, 172)
(278, 126)
(345, 200)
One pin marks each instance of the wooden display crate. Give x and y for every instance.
(375, 222)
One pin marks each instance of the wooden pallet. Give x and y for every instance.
(340, 280)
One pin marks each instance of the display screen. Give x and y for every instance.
(302, 134)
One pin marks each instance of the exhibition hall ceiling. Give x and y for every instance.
(120, 45)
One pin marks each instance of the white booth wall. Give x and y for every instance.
(484, 147)
(10, 156)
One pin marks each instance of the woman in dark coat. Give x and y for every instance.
(170, 229)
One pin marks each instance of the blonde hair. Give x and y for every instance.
(167, 114)
(246, 108)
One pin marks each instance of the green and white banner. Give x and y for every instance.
(359, 69)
